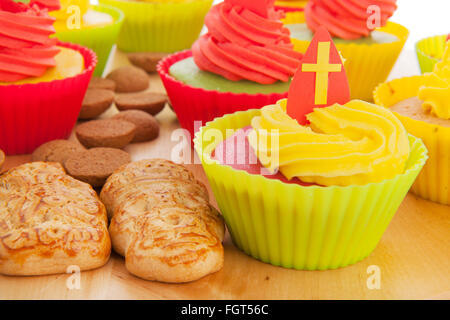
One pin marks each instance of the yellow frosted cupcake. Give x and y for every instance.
(422, 103)
(368, 42)
(313, 181)
(94, 26)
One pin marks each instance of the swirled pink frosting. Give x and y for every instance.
(245, 41)
(51, 5)
(348, 19)
(25, 47)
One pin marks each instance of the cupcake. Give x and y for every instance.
(422, 103)
(369, 44)
(42, 80)
(291, 5)
(430, 50)
(310, 182)
(94, 26)
(245, 66)
(160, 25)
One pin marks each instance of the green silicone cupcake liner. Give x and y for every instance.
(429, 51)
(160, 27)
(99, 39)
(308, 228)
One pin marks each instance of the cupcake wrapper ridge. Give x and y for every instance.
(428, 50)
(433, 183)
(160, 27)
(308, 228)
(32, 114)
(100, 39)
(196, 104)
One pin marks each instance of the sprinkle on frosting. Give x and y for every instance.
(246, 42)
(351, 144)
(25, 47)
(347, 19)
(435, 94)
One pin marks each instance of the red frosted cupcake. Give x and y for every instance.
(245, 61)
(42, 80)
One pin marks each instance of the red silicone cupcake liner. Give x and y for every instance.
(196, 104)
(32, 114)
(289, 9)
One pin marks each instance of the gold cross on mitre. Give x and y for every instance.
(322, 68)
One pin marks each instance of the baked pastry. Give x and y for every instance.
(227, 71)
(147, 127)
(150, 102)
(49, 221)
(368, 47)
(2, 159)
(95, 102)
(129, 79)
(95, 165)
(102, 83)
(56, 151)
(107, 133)
(162, 222)
(312, 181)
(146, 60)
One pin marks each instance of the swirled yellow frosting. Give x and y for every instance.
(435, 93)
(352, 144)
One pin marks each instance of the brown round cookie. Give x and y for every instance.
(110, 133)
(102, 83)
(56, 151)
(146, 60)
(95, 102)
(129, 79)
(95, 165)
(147, 127)
(150, 102)
(2, 158)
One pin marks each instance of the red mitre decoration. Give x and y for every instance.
(320, 80)
(258, 6)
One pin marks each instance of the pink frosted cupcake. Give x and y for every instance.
(245, 61)
(42, 80)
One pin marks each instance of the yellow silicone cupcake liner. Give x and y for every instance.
(433, 183)
(160, 27)
(100, 39)
(367, 65)
(288, 225)
(429, 51)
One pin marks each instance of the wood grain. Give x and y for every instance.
(413, 256)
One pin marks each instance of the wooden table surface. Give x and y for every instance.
(413, 257)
